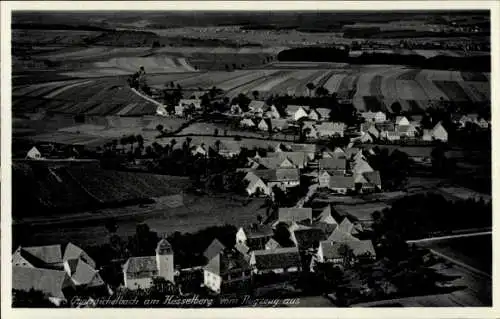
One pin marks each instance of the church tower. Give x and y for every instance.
(165, 260)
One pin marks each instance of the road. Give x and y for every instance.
(469, 233)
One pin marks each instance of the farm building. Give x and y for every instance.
(138, 272)
(296, 112)
(213, 249)
(360, 212)
(227, 271)
(254, 236)
(278, 261)
(361, 167)
(271, 162)
(327, 129)
(324, 114)
(281, 177)
(374, 117)
(298, 159)
(278, 124)
(390, 135)
(200, 149)
(438, 133)
(161, 111)
(307, 237)
(365, 138)
(272, 113)
(314, 115)
(272, 244)
(407, 130)
(256, 106)
(337, 153)
(256, 185)
(235, 109)
(247, 123)
(309, 149)
(227, 148)
(326, 216)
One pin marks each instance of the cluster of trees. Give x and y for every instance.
(138, 81)
(441, 62)
(418, 216)
(394, 168)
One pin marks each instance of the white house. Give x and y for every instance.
(254, 237)
(440, 133)
(256, 185)
(402, 121)
(34, 154)
(247, 123)
(263, 126)
(334, 252)
(327, 129)
(138, 272)
(314, 115)
(196, 103)
(297, 112)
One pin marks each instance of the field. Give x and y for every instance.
(195, 213)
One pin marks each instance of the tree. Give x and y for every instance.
(111, 225)
(346, 253)
(32, 299)
(322, 91)
(310, 86)
(396, 107)
(159, 128)
(172, 144)
(217, 145)
(216, 132)
(140, 140)
(255, 95)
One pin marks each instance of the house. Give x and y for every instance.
(328, 129)
(439, 133)
(272, 244)
(324, 114)
(336, 252)
(272, 162)
(235, 109)
(196, 103)
(227, 271)
(361, 166)
(309, 149)
(138, 272)
(307, 238)
(310, 131)
(226, 148)
(272, 113)
(56, 284)
(374, 117)
(373, 179)
(179, 110)
(482, 123)
(199, 149)
(256, 106)
(278, 261)
(314, 115)
(332, 164)
(407, 130)
(325, 175)
(337, 153)
(256, 185)
(255, 236)
(54, 268)
(401, 121)
(326, 216)
(213, 249)
(385, 126)
(263, 125)
(278, 124)
(295, 214)
(161, 111)
(34, 154)
(366, 138)
(341, 184)
(247, 123)
(390, 135)
(296, 112)
(338, 235)
(298, 159)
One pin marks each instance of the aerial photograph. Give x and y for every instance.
(231, 159)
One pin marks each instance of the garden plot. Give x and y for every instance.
(334, 81)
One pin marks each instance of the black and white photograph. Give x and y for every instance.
(263, 158)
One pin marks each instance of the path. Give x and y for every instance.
(480, 233)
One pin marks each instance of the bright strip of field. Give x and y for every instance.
(410, 90)
(334, 81)
(248, 88)
(273, 81)
(301, 88)
(433, 92)
(427, 53)
(452, 90)
(59, 91)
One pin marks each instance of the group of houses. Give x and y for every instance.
(56, 270)
(377, 127)
(259, 251)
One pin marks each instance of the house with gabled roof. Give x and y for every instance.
(295, 214)
(298, 159)
(337, 153)
(199, 150)
(361, 166)
(138, 272)
(339, 235)
(56, 284)
(326, 216)
(332, 164)
(324, 113)
(406, 130)
(213, 249)
(256, 185)
(227, 271)
(335, 253)
(296, 112)
(263, 125)
(401, 121)
(306, 238)
(439, 133)
(374, 182)
(227, 148)
(390, 135)
(247, 122)
(272, 244)
(325, 175)
(278, 125)
(365, 138)
(309, 149)
(278, 261)
(34, 154)
(256, 106)
(254, 236)
(341, 184)
(272, 113)
(274, 162)
(314, 115)
(374, 117)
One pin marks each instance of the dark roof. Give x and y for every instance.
(242, 248)
(373, 177)
(332, 163)
(294, 214)
(340, 236)
(213, 249)
(227, 261)
(51, 254)
(308, 238)
(287, 174)
(337, 181)
(72, 251)
(272, 244)
(255, 231)
(359, 247)
(164, 247)
(277, 258)
(85, 274)
(141, 267)
(52, 282)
